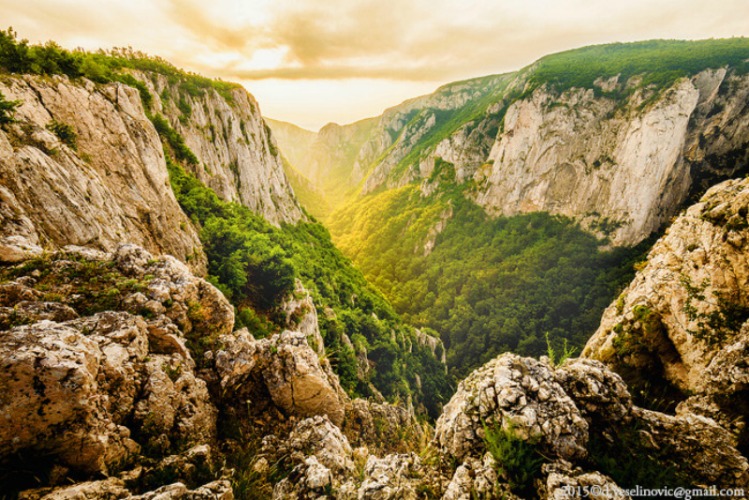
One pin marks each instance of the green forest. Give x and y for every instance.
(489, 285)
(660, 62)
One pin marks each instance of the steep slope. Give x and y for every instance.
(104, 182)
(622, 164)
(236, 155)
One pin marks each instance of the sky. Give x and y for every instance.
(311, 62)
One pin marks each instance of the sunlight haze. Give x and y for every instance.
(311, 62)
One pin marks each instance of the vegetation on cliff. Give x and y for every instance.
(256, 264)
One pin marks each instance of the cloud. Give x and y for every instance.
(421, 40)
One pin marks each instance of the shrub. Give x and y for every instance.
(518, 459)
(66, 133)
(7, 110)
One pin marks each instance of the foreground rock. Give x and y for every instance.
(286, 368)
(92, 392)
(682, 323)
(513, 393)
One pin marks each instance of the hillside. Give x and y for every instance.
(102, 151)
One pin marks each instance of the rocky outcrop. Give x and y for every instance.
(282, 366)
(98, 373)
(104, 182)
(515, 393)
(683, 318)
(238, 157)
(383, 427)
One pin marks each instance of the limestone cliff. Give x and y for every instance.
(620, 150)
(622, 166)
(619, 157)
(238, 157)
(107, 184)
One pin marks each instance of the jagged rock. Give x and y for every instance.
(565, 482)
(600, 394)
(217, 490)
(301, 316)
(17, 249)
(108, 489)
(287, 367)
(86, 389)
(193, 304)
(698, 447)
(111, 187)
(434, 344)
(394, 476)
(296, 380)
(322, 458)
(679, 323)
(27, 312)
(310, 479)
(50, 400)
(517, 393)
(318, 437)
(70, 389)
(192, 468)
(174, 407)
(229, 136)
(477, 478)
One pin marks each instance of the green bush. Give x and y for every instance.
(66, 133)
(7, 109)
(175, 141)
(518, 460)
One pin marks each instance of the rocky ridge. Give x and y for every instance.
(619, 156)
(683, 320)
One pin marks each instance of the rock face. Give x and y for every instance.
(238, 156)
(627, 165)
(97, 391)
(286, 368)
(515, 393)
(107, 187)
(683, 318)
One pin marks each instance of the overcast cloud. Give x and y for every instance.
(376, 46)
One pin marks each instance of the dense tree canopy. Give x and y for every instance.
(488, 285)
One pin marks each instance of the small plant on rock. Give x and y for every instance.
(518, 459)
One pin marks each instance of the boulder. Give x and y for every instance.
(286, 367)
(524, 397)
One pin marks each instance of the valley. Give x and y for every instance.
(519, 285)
